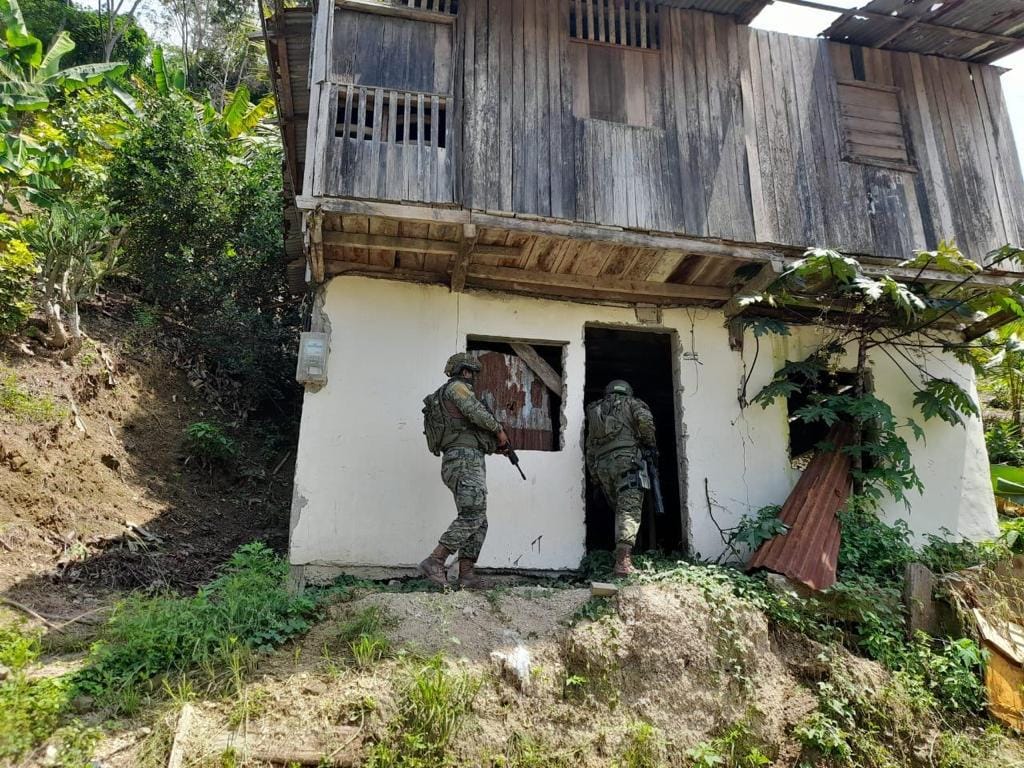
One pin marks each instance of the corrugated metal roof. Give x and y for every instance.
(939, 28)
(744, 9)
(809, 553)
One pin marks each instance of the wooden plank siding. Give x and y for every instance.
(720, 132)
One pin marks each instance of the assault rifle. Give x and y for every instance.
(650, 461)
(510, 453)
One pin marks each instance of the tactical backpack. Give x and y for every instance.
(436, 422)
(609, 425)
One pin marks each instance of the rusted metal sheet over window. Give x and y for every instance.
(518, 398)
(810, 551)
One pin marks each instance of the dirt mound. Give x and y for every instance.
(105, 499)
(691, 665)
(473, 625)
(663, 654)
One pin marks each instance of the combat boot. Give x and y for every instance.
(623, 561)
(433, 566)
(467, 576)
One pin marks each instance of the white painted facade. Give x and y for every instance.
(367, 492)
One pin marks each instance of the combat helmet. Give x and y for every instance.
(618, 387)
(459, 361)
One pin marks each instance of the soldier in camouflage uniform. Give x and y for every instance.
(619, 428)
(472, 433)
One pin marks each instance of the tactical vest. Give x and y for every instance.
(610, 425)
(457, 431)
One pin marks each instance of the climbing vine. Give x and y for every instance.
(941, 306)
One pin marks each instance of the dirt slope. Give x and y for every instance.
(113, 503)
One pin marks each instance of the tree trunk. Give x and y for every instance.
(57, 335)
(75, 339)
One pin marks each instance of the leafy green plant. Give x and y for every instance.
(31, 81)
(431, 710)
(209, 443)
(17, 272)
(149, 636)
(524, 751)
(30, 709)
(754, 531)
(368, 649)
(1005, 444)
(824, 736)
(859, 314)
(735, 748)
(593, 610)
(79, 250)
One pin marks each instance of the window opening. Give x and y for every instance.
(805, 437)
(516, 393)
(874, 132)
(645, 360)
(631, 23)
(392, 117)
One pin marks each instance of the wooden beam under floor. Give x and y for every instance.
(460, 269)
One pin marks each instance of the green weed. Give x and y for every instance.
(642, 747)
(23, 406)
(367, 650)
(523, 751)
(209, 443)
(736, 748)
(30, 709)
(593, 610)
(432, 706)
(246, 608)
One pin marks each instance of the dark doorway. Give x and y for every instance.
(644, 359)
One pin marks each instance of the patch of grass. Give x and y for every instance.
(970, 749)
(250, 704)
(363, 637)
(432, 707)
(23, 406)
(369, 649)
(246, 608)
(523, 751)
(30, 710)
(642, 747)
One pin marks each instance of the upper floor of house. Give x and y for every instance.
(658, 117)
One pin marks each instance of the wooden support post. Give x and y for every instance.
(315, 245)
(539, 366)
(460, 269)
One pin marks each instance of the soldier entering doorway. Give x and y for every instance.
(620, 430)
(459, 428)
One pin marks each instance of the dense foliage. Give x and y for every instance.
(202, 205)
(46, 18)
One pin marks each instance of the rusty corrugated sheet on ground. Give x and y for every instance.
(518, 398)
(809, 552)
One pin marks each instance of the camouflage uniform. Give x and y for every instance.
(473, 434)
(618, 427)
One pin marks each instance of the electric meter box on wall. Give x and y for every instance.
(312, 368)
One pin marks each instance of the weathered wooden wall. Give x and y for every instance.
(728, 132)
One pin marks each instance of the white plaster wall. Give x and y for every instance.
(368, 493)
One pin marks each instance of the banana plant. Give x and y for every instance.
(30, 78)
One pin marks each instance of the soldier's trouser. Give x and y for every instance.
(464, 472)
(618, 473)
